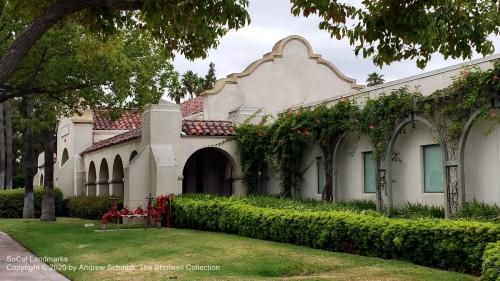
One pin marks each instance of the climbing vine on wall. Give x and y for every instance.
(281, 144)
(253, 140)
(380, 117)
(289, 136)
(472, 91)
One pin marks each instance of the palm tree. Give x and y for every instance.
(176, 90)
(374, 79)
(191, 82)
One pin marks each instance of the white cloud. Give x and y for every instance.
(271, 20)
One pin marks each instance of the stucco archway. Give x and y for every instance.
(91, 180)
(103, 178)
(478, 155)
(117, 179)
(209, 170)
(414, 119)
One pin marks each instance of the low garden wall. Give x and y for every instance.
(447, 244)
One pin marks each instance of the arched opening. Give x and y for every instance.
(132, 155)
(479, 154)
(65, 157)
(416, 171)
(208, 170)
(91, 180)
(103, 178)
(118, 175)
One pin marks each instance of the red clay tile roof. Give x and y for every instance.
(129, 120)
(189, 128)
(207, 128)
(121, 138)
(192, 106)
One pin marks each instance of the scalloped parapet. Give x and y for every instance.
(277, 52)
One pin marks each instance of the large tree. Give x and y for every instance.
(133, 71)
(393, 30)
(189, 27)
(390, 30)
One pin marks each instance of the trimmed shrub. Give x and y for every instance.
(279, 202)
(12, 202)
(491, 262)
(90, 207)
(454, 245)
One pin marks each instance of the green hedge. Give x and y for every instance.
(453, 245)
(12, 202)
(491, 262)
(90, 207)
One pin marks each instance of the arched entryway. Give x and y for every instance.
(208, 170)
(91, 180)
(103, 178)
(118, 174)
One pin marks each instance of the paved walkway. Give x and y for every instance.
(17, 263)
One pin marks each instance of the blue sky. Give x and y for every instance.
(272, 21)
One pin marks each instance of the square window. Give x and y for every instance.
(370, 172)
(433, 169)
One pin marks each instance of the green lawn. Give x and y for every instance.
(239, 258)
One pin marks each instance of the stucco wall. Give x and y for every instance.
(482, 163)
(124, 152)
(349, 162)
(408, 173)
(290, 75)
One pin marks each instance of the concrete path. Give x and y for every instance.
(17, 263)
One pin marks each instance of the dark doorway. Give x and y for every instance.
(208, 170)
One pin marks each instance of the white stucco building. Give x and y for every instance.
(176, 149)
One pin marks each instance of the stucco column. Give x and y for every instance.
(125, 187)
(161, 130)
(452, 200)
(239, 186)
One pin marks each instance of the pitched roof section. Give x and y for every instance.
(121, 138)
(192, 106)
(189, 128)
(129, 120)
(207, 128)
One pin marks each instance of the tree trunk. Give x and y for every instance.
(48, 204)
(177, 100)
(48, 18)
(29, 207)
(8, 144)
(328, 151)
(2, 147)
